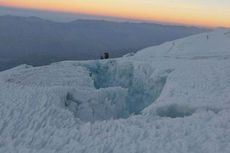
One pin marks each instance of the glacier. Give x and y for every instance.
(171, 98)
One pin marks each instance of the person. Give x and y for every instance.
(105, 55)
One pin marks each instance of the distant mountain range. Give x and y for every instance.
(36, 41)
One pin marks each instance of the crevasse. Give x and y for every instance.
(123, 89)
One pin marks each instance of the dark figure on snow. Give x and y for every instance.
(105, 56)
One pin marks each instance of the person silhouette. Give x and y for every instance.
(105, 55)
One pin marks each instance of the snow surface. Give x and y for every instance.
(172, 98)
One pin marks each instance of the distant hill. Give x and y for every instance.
(36, 41)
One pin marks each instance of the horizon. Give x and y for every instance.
(203, 14)
(65, 17)
(57, 16)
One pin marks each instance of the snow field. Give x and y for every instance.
(172, 98)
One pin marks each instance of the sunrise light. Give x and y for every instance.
(211, 13)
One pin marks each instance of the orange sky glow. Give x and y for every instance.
(211, 13)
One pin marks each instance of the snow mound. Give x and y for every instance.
(174, 111)
(203, 46)
(169, 98)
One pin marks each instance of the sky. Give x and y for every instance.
(210, 13)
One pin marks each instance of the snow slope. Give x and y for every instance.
(172, 98)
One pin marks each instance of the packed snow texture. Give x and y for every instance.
(172, 98)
